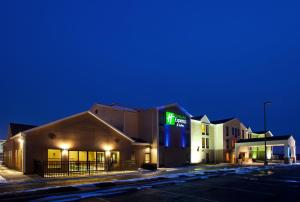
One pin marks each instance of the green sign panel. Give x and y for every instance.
(175, 119)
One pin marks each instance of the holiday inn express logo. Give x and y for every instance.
(170, 118)
(175, 119)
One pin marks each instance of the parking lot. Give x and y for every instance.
(277, 184)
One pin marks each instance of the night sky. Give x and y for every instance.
(220, 58)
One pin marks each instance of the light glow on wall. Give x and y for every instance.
(107, 147)
(21, 140)
(64, 146)
(183, 140)
(167, 135)
(65, 152)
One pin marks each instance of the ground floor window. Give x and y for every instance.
(54, 158)
(147, 158)
(115, 157)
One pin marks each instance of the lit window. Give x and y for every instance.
(73, 155)
(54, 158)
(92, 156)
(100, 157)
(54, 155)
(82, 156)
(147, 158)
(203, 129)
(115, 157)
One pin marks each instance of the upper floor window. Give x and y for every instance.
(203, 129)
(207, 143)
(227, 143)
(232, 131)
(203, 143)
(207, 129)
(227, 131)
(243, 134)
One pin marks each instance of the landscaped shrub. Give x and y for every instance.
(149, 166)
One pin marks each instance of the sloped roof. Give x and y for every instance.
(81, 114)
(198, 117)
(280, 137)
(15, 128)
(117, 107)
(260, 132)
(222, 121)
(175, 105)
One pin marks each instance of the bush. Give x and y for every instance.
(149, 166)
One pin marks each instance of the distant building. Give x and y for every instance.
(1, 150)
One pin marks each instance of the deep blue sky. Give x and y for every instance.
(221, 58)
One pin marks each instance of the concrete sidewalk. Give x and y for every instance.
(16, 181)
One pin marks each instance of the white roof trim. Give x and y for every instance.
(16, 136)
(141, 143)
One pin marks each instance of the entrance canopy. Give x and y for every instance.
(287, 141)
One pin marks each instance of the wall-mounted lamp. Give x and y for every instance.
(107, 147)
(64, 146)
(147, 150)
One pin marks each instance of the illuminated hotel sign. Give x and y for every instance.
(175, 119)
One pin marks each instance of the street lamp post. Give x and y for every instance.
(265, 130)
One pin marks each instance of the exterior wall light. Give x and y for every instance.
(107, 147)
(64, 146)
(147, 150)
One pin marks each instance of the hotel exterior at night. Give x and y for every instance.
(112, 137)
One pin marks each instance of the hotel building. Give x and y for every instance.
(113, 137)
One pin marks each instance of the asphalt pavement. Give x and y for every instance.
(276, 184)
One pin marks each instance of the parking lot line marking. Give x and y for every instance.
(185, 195)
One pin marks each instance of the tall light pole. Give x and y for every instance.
(265, 130)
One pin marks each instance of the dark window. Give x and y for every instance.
(227, 144)
(96, 111)
(207, 129)
(203, 143)
(207, 143)
(239, 132)
(243, 134)
(232, 131)
(227, 130)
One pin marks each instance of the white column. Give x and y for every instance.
(286, 152)
(293, 153)
(236, 153)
